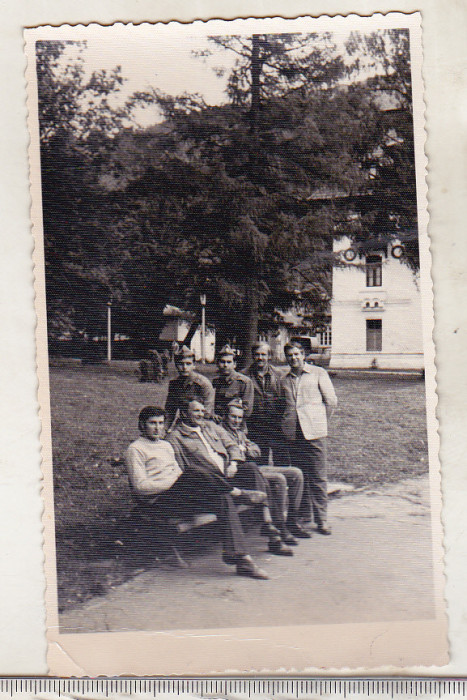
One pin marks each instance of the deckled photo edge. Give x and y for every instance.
(421, 119)
(43, 391)
(43, 387)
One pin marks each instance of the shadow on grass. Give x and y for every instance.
(93, 558)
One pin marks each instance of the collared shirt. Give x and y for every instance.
(235, 386)
(190, 449)
(248, 448)
(217, 458)
(295, 381)
(196, 386)
(306, 397)
(266, 390)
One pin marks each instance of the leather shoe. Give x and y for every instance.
(298, 531)
(288, 538)
(230, 558)
(324, 530)
(276, 546)
(269, 530)
(251, 497)
(247, 567)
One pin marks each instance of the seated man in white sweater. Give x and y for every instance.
(162, 486)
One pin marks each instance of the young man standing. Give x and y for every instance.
(230, 384)
(308, 397)
(164, 484)
(188, 385)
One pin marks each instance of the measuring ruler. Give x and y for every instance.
(83, 688)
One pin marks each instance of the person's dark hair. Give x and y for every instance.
(149, 412)
(184, 403)
(293, 344)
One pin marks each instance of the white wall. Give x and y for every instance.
(399, 308)
(176, 329)
(210, 344)
(277, 340)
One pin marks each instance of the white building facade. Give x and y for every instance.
(376, 310)
(176, 329)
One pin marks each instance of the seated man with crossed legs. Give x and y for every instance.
(285, 483)
(206, 445)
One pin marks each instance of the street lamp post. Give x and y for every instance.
(202, 298)
(109, 331)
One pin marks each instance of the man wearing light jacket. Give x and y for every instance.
(308, 397)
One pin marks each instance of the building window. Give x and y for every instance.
(325, 337)
(374, 335)
(374, 271)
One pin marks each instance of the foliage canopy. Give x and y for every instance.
(241, 200)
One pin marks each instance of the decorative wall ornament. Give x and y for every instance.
(350, 254)
(397, 251)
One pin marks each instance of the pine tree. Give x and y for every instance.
(249, 236)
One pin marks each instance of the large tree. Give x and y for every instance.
(237, 172)
(240, 200)
(251, 193)
(387, 207)
(77, 133)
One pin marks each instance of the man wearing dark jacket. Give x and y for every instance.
(188, 385)
(230, 384)
(264, 421)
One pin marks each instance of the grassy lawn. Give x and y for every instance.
(377, 435)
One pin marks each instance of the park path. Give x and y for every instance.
(377, 565)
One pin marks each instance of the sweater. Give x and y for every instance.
(152, 467)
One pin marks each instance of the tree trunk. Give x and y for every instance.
(255, 71)
(192, 330)
(250, 327)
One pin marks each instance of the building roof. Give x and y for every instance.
(174, 312)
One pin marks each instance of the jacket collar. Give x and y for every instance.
(252, 371)
(186, 430)
(187, 380)
(229, 429)
(306, 368)
(229, 379)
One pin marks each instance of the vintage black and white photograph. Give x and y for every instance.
(236, 372)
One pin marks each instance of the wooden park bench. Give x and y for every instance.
(171, 527)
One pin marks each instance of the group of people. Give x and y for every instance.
(257, 438)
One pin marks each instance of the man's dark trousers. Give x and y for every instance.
(268, 437)
(204, 491)
(310, 457)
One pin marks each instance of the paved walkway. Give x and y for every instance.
(377, 565)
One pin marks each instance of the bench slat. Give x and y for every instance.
(198, 520)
